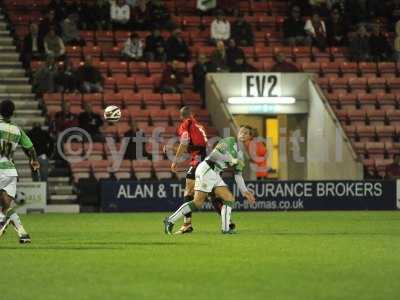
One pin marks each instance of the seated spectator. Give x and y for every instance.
(359, 45)
(136, 148)
(320, 6)
(177, 47)
(397, 42)
(315, 28)
(66, 81)
(171, 79)
(48, 22)
(44, 78)
(139, 15)
(158, 16)
(282, 65)
(336, 29)
(293, 29)
(240, 65)
(71, 35)
(54, 45)
(155, 46)
(32, 48)
(220, 29)
(120, 15)
(89, 77)
(133, 48)
(242, 32)
(379, 45)
(219, 57)
(64, 119)
(43, 144)
(91, 122)
(199, 72)
(233, 52)
(393, 170)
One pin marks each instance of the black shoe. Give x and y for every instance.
(232, 226)
(230, 231)
(25, 239)
(168, 226)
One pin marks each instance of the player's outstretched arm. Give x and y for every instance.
(243, 189)
(29, 150)
(182, 148)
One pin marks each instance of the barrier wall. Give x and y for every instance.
(130, 196)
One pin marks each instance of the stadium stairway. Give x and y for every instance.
(15, 85)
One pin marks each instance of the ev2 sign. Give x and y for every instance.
(261, 85)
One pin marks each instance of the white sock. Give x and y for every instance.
(2, 217)
(183, 210)
(187, 220)
(226, 217)
(17, 224)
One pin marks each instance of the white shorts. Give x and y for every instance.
(207, 178)
(8, 184)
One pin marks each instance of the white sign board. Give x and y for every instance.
(31, 196)
(261, 85)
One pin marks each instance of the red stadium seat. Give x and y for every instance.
(377, 85)
(152, 100)
(358, 84)
(112, 53)
(93, 51)
(356, 116)
(142, 169)
(141, 116)
(330, 69)
(172, 100)
(105, 38)
(375, 150)
(339, 84)
(376, 116)
(386, 101)
(162, 169)
(118, 67)
(393, 83)
(338, 54)
(192, 99)
(367, 100)
(312, 67)
(111, 98)
(385, 132)
(387, 69)
(138, 67)
(95, 151)
(349, 69)
(73, 99)
(110, 84)
(73, 52)
(124, 82)
(160, 118)
(156, 67)
(368, 69)
(95, 99)
(81, 170)
(101, 169)
(365, 132)
(145, 84)
(124, 171)
(132, 99)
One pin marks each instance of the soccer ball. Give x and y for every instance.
(112, 113)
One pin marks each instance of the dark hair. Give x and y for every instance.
(248, 127)
(7, 108)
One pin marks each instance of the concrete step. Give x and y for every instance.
(6, 41)
(62, 208)
(24, 122)
(27, 113)
(61, 189)
(4, 32)
(7, 49)
(11, 80)
(9, 56)
(15, 88)
(58, 180)
(12, 72)
(3, 25)
(24, 171)
(10, 64)
(32, 105)
(17, 96)
(63, 199)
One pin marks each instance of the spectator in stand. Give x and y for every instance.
(293, 29)
(206, 7)
(177, 47)
(171, 79)
(120, 15)
(155, 46)
(43, 144)
(139, 15)
(64, 119)
(315, 28)
(54, 45)
(102, 14)
(393, 170)
(282, 65)
(32, 48)
(44, 78)
(60, 9)
(397, 42)
(199, 72)
(220, 28)
(359, 45)
(133, 48)
(48, 22)
(320, 6)
(158, 15)
(91, 122)
(219, 57)
(336, 29)
(90, 79)
(242, 32)
(379, 45)
(71, 34)
(233, 52)
(240, 65)
(136, 148)
(392, 12)
(66, 78)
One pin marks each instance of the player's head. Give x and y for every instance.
(245, 133)
(185, 112)
(7, 108)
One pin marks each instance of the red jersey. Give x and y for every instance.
(193, 134)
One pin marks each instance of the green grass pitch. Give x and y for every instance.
(292, 255)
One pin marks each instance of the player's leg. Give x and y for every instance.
(217, 203)
(225, 194)
(188, 196)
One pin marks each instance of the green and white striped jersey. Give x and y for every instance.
(227, 153)
(10, 137)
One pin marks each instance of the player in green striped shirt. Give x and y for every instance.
(10, 137)
(226, 153)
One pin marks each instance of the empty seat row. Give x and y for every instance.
(382, 133)
(387, 101)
